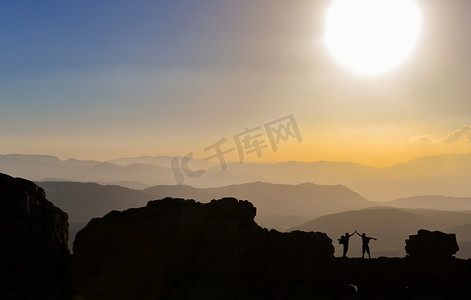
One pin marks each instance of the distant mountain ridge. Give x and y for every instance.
(432, 202)
(391, 226)
(40, 168)
(281, 206)
(439, 175)
(83, 201)
(306, 199)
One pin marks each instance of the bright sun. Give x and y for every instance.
(371, 37)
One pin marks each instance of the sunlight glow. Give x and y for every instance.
(371, 37)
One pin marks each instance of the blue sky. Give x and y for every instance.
(71, 56)
(102, 79)
(48, 36)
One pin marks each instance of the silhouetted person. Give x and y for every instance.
(344, 239)
(365, 240)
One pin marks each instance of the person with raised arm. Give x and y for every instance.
(344, 240)
(365, 241)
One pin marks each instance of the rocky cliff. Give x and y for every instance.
(176, 247)
(182, 249)
(33, 242)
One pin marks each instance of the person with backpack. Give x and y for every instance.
(344, 240)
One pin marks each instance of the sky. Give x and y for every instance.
(106, 79)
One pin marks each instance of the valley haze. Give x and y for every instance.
(88, 189)
(445, 175)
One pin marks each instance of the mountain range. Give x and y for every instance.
(311, 207)
(391, 226)
(432, 202)
(279, 206)
(438, 175)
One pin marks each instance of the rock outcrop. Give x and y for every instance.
(428, 244)
(182, 249)
(33, 242)
(173, 246)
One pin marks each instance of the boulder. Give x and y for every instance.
(33, 242)
(430, 244)
(160, 250)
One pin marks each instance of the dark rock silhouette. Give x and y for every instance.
(33, 242)
(166, 247)
(182, 249)
(431, 244)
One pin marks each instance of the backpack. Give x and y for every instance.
(342, 240)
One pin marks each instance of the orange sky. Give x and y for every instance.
(180, 85)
